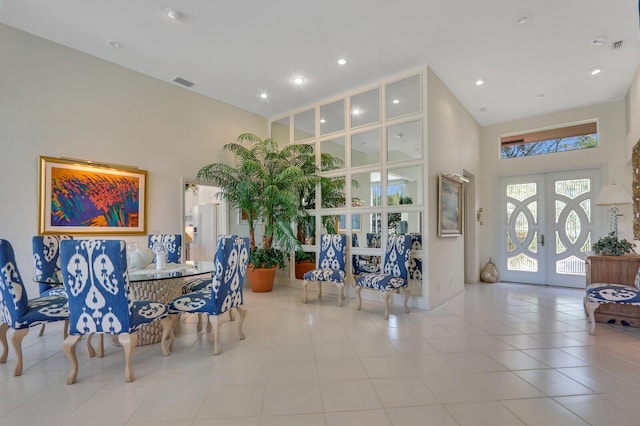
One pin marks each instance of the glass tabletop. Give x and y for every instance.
(172, 270)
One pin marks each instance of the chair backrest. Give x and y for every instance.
(333, 251)
(96, 280)
(13, 296)
(231, 261)
(172, 244)
(396, 257)
(46, 259)
(373, 240)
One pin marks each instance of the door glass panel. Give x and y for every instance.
(304, 125)
(533, 208)
(510, 246)
(332, 117)
(586, 206)
(510, 209)
(280, 130)
(521, 191)
(403, 97)
(573, 188)
(522, 227)
(522, 263)
(570, 266)
(332, 154)
(404, 142)
(365, 108)
(572, 227)
(533, 245)
(365, 148)
(559, 207)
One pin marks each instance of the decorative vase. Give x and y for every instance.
(261, 279)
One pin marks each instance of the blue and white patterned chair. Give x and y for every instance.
(96, 279)
(394, 275)
(172, 244)
(331, 265)
(600, 293)
(226, 291)
(17, 311)
(46, 259)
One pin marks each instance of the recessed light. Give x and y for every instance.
(595, 71)
(396, 101)
(299, 80)
(174, 14)
(598, 41)
(540, 95)
(356, 111)
(264, 95)
(479, 82)
(342, 61)
(322, 121)
(522, 20)
(483, 109)
(116, 44)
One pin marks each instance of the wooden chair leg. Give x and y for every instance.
(340, 294)
(358, 290)
(232, 315)
(65, 331)
(242, 312)
(407, 293)
(42, 327)
(16, 342)
(387, 298)
(216, 334)
(100, 352)
(69, 348)
(167, 332)
(591, 315)
(199, 323)
(3, 341)
(128, 342)
(90, 349)
(319, 289)
(305, 283)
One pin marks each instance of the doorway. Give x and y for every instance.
(202, 220)
(546, 226)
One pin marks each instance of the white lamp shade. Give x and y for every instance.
(613, 195)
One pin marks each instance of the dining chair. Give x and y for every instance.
(225, 292)
(331, 265)
(171, 243)
(96, 279)
(394, 273)
(18, 312)
(46, 259)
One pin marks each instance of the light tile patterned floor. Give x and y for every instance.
(499, 354)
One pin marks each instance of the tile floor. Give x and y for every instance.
(500, 354)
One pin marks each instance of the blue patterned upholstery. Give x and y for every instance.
(226, 291)
(196, 284)
(17, 311)
(599, 293)
(331, 265)
(415, 264)
(395, 271)
(96, 279)
(172, 244)
(46, 259)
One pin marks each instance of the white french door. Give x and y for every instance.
(546, 225)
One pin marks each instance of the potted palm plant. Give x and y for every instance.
(264, 184)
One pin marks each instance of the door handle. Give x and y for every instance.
(542, 240)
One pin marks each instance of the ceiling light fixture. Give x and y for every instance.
(116, 44)
(322, 121)
(264, 95)
(595, 71)
(598, 41)
(342, 61)
(396, 101)
(298, 80)
(174, 14)
(479, 82)
(540, 95)
(356, 111)
(522, 20)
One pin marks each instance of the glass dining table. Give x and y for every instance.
(163, 285)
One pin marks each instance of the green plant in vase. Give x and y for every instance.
(611, 245)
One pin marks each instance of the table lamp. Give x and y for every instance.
(613, 195)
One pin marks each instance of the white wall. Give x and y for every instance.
(633, 112)
(454, 143)
(55, 101)
(611, 155)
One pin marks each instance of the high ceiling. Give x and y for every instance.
(535, 57)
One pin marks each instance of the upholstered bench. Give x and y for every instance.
(601, 293)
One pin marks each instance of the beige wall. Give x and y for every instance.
(633, 112)
(55, 101)
(453, 138)
(611, 157)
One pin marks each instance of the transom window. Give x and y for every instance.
(568, 138)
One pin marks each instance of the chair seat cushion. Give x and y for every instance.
(144, 312)
(43, 310)
(54, 291)
(381, 282)
(196, 284)
(194, 302)
(613, 293)
(325, 274)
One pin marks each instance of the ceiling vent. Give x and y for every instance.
(616, 44)
(182, 81)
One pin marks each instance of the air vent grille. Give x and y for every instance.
(616, 44)
(182, 81)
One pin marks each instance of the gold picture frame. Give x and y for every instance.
(84, 197)
(450, 206)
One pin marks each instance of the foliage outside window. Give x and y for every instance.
(570, 138)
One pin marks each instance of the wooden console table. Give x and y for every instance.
(615, 270)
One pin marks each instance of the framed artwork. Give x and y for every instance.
(355, 222)
(450, 213)
(82, 197)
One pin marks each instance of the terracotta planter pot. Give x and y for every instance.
(304, 266)
(261, 279)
